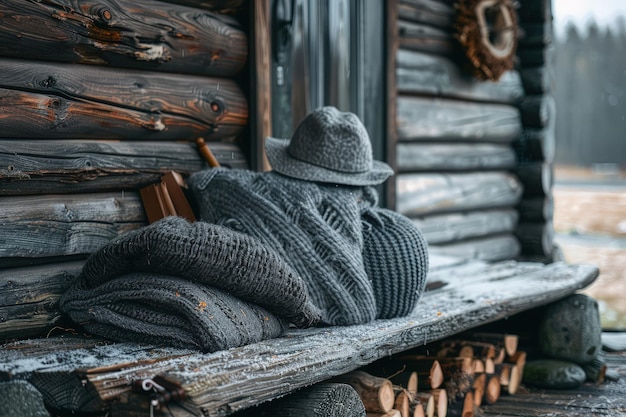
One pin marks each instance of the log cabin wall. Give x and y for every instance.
(472, 157)
(99, 99)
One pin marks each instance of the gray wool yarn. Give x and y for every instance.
(395, 255)
(210, 255)
(164, 310)
(315, 227)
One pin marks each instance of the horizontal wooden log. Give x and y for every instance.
(416, 157)
(538, 11)
(46, 226)
(64, 101)
(537, 80)
(490, 248)
(536, 238)
(428, 74)
(426, 38)
(224, 382)
(537, 145)
(446, 228)
(537, 34)
(28, 305)
(75, 166)
(430, 12)
(536, 111)
(537, 209)
(123, 33)
(218, 6)
(536, 178)
(421, 194)
(535, 56)
(439, 119)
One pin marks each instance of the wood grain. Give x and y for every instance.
(64, 101)
(445, 120)
(223, 382)
(429, 193)
(75, 166)
(430, 74)
(123, 33)
(415, 157)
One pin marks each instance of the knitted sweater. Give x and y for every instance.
(316, 228)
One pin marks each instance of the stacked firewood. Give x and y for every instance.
(449, 378)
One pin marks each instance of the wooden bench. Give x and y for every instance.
(85, 375)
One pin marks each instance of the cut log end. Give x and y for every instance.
(492, 389)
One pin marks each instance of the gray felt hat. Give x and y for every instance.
(328, 146)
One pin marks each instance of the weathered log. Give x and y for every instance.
(72, 166)
(490, 248)
(36, 227)
(537, 34)
(417, 410)
(421, 194)
(375, 392)
(64, 101)
(536, 111)
(430, 12)
(536, 178)
(530, 57)
(402, 403)
(537, 210)
(227, 381)
(439, 119)
(446, 228)
(538, 145)
(427, 401)
(478, 388)
(132, 34)
(428, 74)
(28, 306)
(427, 369)
(217, 6)
(461, 407)
(536, 238)
(451, 367)
(510, 377)
(537, 80)
(503, 341)
(426, 38)
(390, 413)
(538, 11)
(440, 397)
(415, 157)
(464, 348)
(492, 388)
(407, 380)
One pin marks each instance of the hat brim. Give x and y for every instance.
(283, 163)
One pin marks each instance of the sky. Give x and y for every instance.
(580, 11)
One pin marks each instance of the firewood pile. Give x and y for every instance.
(449, 378)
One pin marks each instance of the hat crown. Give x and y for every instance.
(334, 140)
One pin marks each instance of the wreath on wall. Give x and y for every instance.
(488, 30)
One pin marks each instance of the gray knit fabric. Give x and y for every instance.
(164, 310)
(395, 255)
(316, 228)
(208, 255)
(328, 146)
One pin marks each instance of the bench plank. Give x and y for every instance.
(223, 382)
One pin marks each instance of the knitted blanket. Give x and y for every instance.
(319, 230)
(188, 284)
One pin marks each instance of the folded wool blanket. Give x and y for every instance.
(319, 229)
(158, 309)
(209, 255)
(190, 285)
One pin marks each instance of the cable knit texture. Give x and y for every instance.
(319, 230)
(164, 310)
(395, 256)
(207, 254)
